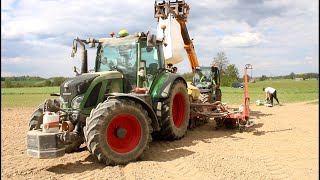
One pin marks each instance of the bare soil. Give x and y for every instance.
(283, 144)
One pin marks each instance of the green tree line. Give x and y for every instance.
(229, 73)
(28, 81)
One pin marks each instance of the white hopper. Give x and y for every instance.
(173, 52)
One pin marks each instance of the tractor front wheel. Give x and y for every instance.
(36, 118)
(118, 131)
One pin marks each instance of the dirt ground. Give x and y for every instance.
(283, 144)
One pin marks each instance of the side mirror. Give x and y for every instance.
(151, 40)
(142, 68)
(75, 70)
(74, 48)
(142, 64)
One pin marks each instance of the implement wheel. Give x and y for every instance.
(230, 123)
(175, 113)
(118, 131)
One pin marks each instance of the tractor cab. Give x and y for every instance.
(202, 79)
(207, 79)
(137, 61)
(136, 58)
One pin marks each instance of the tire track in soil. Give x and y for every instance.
(275, 169)
(185, 169)
(202, 154)
(179, 157)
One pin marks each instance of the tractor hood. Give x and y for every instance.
(72, 87)
(75, 86)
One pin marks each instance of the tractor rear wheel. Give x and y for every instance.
(118, 131)
(175, 113)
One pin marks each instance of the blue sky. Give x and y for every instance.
(276, 36)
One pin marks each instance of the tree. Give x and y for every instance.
(292, 75)
(57, 81)
(231, 75)
(8, 83)
(263, 77)
(221, 62)
(47, 83)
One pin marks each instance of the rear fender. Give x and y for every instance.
(161, 87)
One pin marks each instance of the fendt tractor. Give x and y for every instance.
(129, 99)
(117, 109)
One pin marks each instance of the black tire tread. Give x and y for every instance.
(167, 131)
(95, 122)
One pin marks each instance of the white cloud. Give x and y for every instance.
(7, 4)
(244, 39)
(16, 60)
(281, 30)
(216, 3)
(293, 5)
(55, 17)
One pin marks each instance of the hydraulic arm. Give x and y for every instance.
(179, 10)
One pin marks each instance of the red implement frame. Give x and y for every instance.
(218, 111)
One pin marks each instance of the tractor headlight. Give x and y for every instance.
(61, 101)
(75, 104)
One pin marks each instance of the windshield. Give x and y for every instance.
(118, 56)
(203, 78)
(203, 75)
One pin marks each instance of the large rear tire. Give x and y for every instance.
(118, 131)
(175, 113)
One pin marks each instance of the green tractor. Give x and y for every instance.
(116, 110)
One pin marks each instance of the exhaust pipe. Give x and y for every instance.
(84, 57)
(84, 61)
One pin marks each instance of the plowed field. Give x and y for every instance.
(283, 144)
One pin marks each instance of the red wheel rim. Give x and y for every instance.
(178, 110)
(130, 139)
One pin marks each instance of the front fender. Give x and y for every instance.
(145, 105)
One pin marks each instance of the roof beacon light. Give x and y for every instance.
(111, 34)
(123, 33)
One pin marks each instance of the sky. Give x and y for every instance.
(276, 37)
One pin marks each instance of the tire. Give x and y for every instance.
(74, 146)
(218, 95)
(230, 123)
(37, 119)
(175, 113)
(118, 131)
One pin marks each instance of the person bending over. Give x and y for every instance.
(270, 94)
